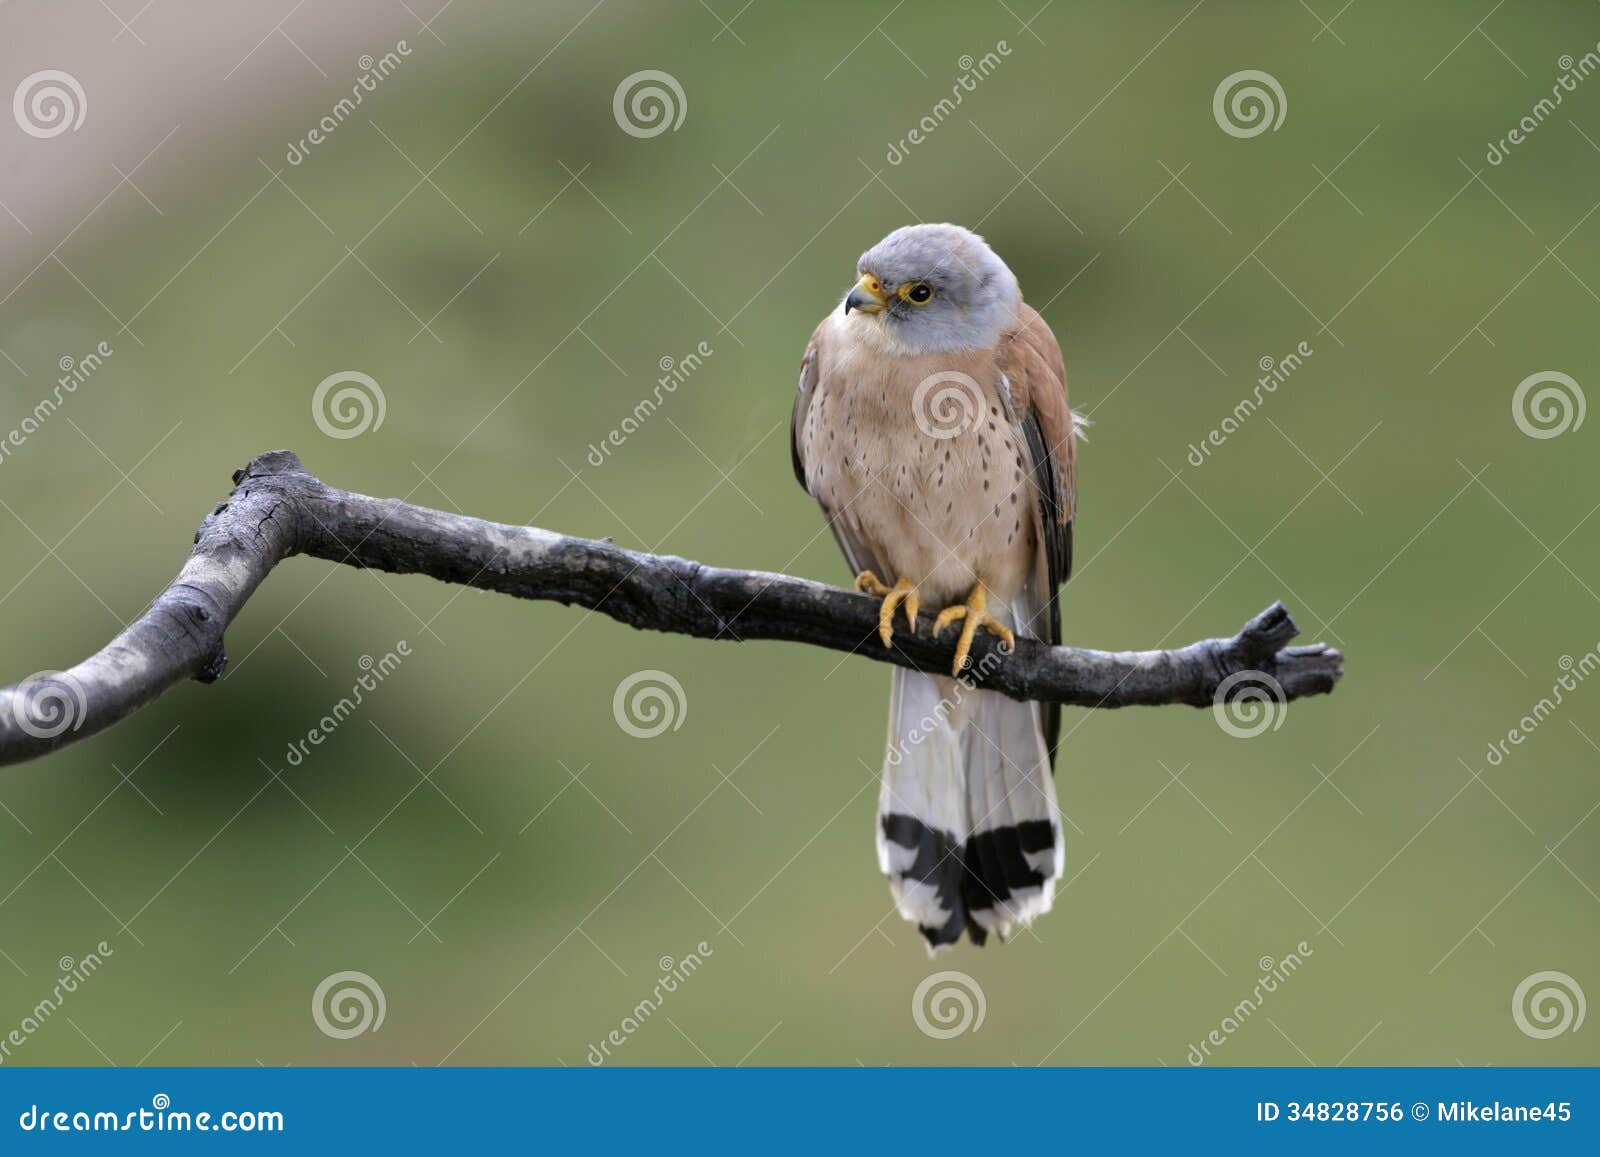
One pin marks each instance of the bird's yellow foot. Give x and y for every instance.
(902, 593)
(976, 614)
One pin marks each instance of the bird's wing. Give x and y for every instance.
(1029, 357)
(802, 406)
(856, 553)
(1031, 361)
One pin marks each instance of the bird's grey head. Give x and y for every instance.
(930, 288)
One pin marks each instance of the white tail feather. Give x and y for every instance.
(969, 832)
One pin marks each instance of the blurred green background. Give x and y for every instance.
(484, 240)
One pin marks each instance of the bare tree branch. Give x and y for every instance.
(278, 509)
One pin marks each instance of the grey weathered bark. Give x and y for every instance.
(278, 509)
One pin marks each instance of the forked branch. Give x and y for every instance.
(277, 509)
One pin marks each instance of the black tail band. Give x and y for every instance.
(984, 871)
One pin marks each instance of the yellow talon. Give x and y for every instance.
(903, 592)
(913, 605)
(976, 614)
(869, 584)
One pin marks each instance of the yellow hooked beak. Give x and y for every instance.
(866, 295)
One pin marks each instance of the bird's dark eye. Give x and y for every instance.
(917, 292)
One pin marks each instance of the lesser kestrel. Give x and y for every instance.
(932, 427)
